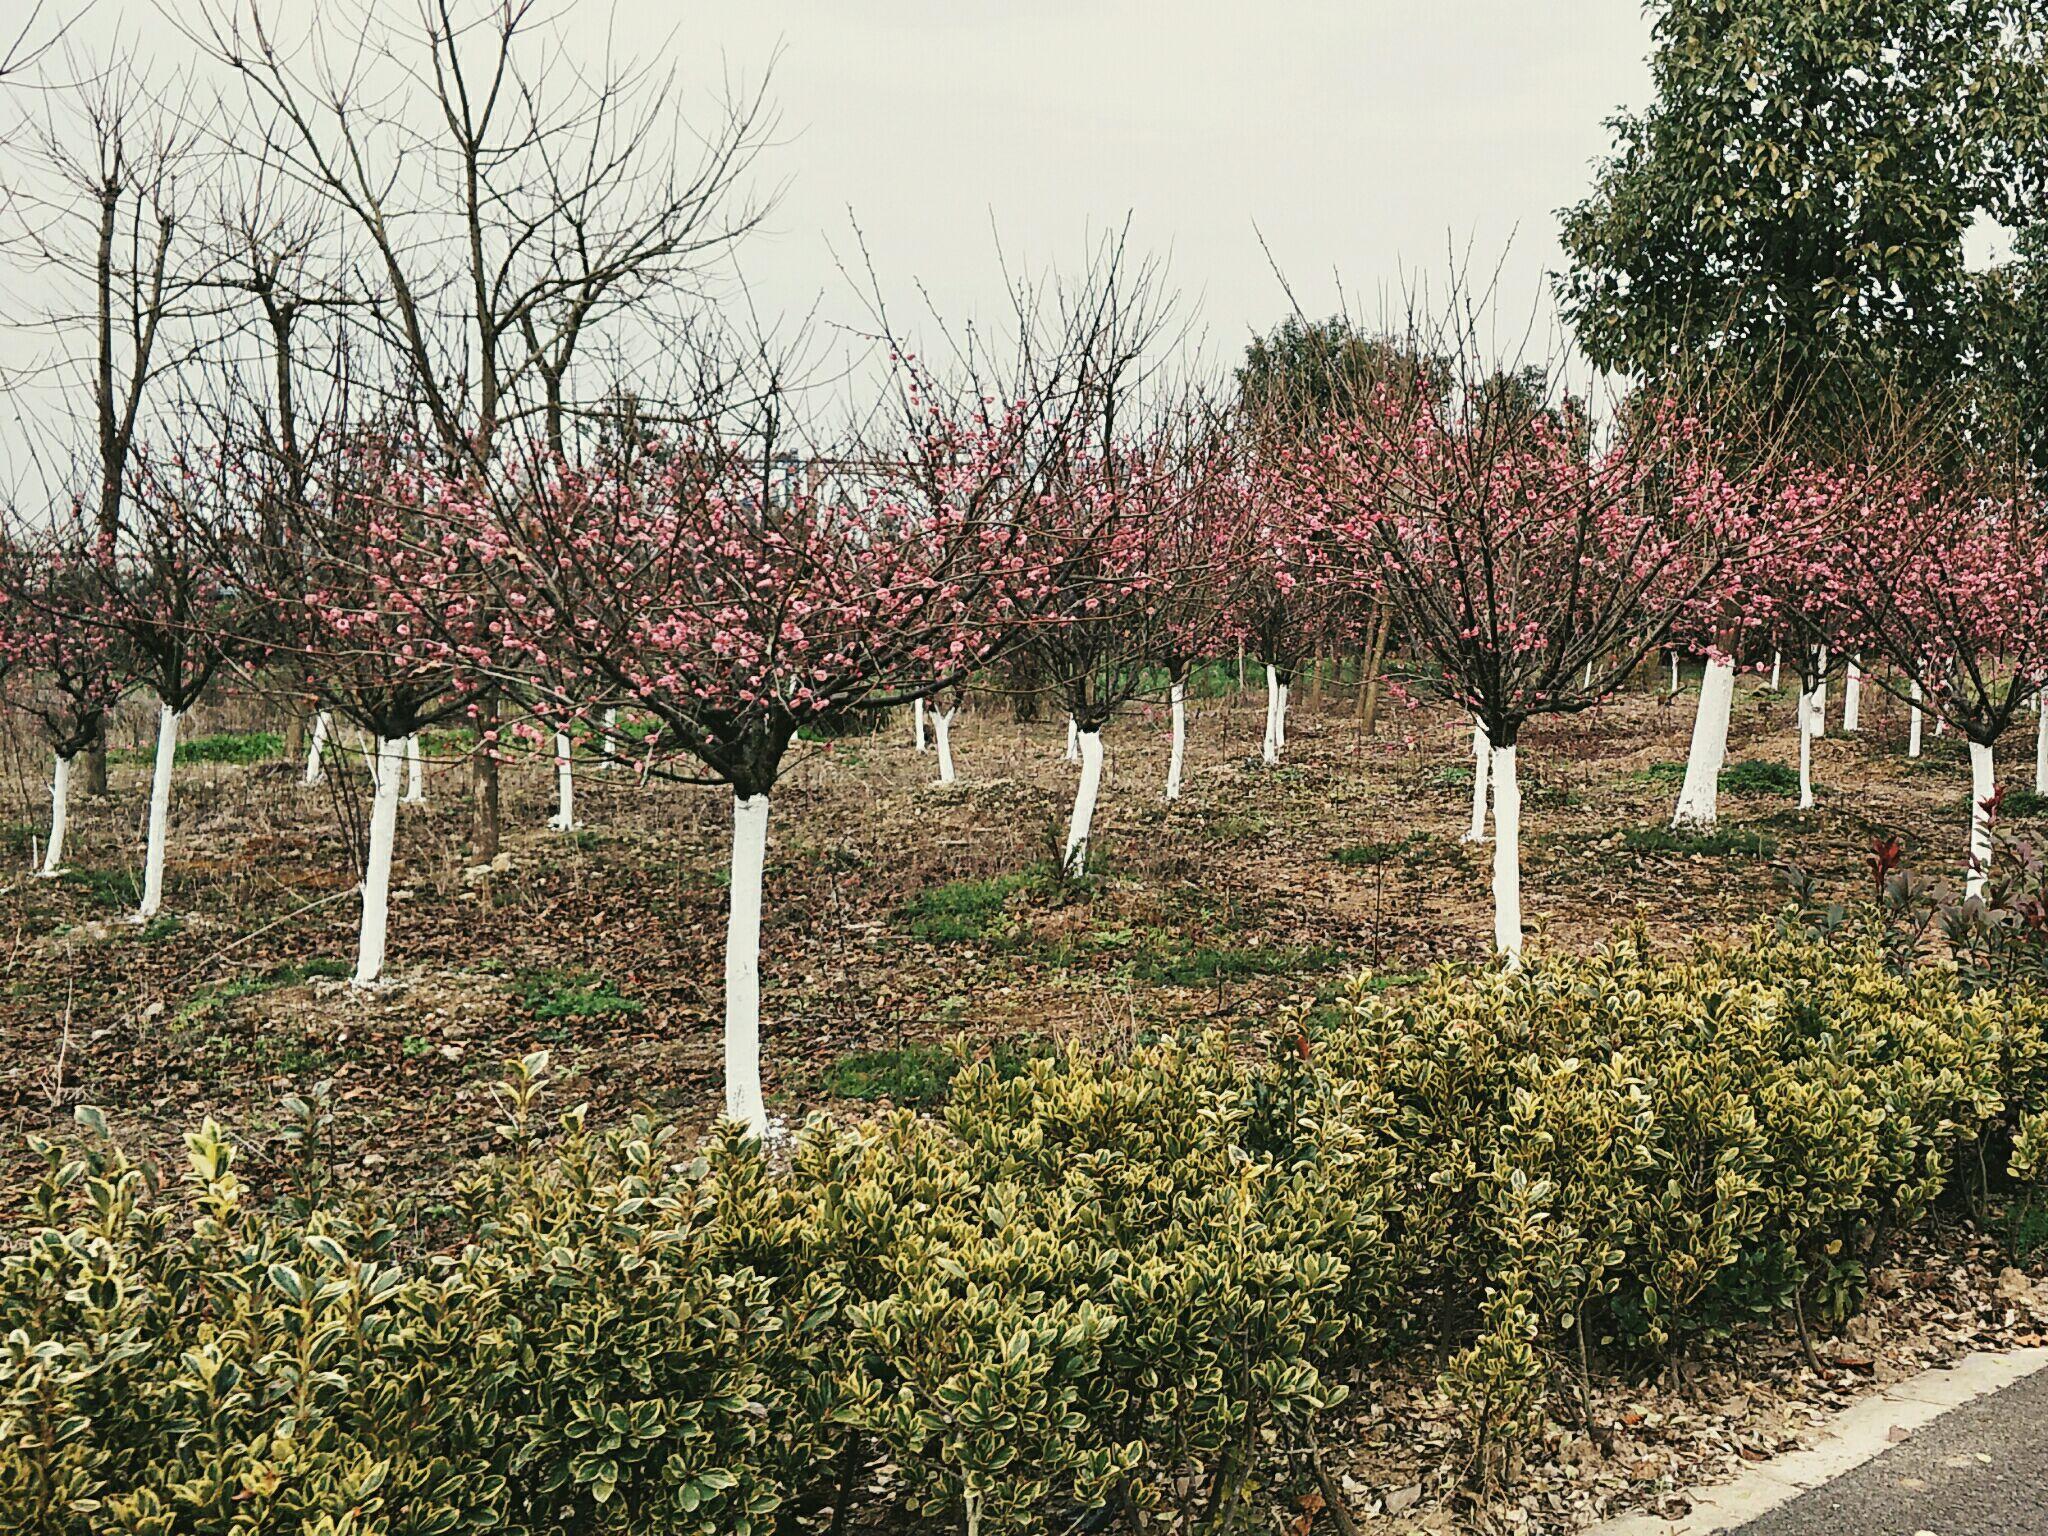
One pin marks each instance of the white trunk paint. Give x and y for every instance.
(159, 816)
(1507, 856)
(942, 732)
(1699, 799)
(415, 785)
(1674, 672)
(1482, 760)
(377, 869)
(316, 748)
(1269, 749)
(1983, 784)
(743, 1101)
(917, 722)
(2040, 752)
(1820, 698)
(60, 816)
(1280, 716)
(1588, 683)
(1178, 695)
(1852, 700)
(1777, 669)
(564, 819)
(1913, 721)
(1084, 803)
(1805, 751)
(611, 731)
(1073, 741)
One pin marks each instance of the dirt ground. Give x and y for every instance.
(900, 915)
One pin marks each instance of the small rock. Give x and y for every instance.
(1400, 1500)
(2013, 1285)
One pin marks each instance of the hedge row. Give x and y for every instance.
(1089, 1294)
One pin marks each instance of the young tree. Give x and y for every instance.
(1948, 581)
(1522, 558)
(666, 574)
(64, 674)
(365, 576)
(508, 207)
(97, 208)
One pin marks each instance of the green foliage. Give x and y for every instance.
(2023, 802)
(965, 911)
(1660, 774)
(231, 747)
(105, 887)
(1717, 842)
(1209, 963)
(1794, 202)
(918, 1074)
(1127, 1284)
(556, 994)
(1753, 776)
(1367, 855)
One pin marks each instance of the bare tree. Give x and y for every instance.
(503, 212)
(97, 210)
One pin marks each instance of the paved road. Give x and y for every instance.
(1979, 1470)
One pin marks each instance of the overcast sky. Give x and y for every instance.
(1367, 140)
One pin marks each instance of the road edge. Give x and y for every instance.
(1861, 1432)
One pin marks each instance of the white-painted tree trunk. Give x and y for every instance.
(1073, 741)
(377, 868)
(611, 733)
(1852, 699)
(1913, 721)
(1699, 798)
(942, 734)
(1777, 669)
(1177, 695)
(415, 783)
(1805, 750)
(1280, 716)
(1507, 856)
(1820, 698)
(2041, 750)
(159, 816)
(60, 817)
(316, 747)
(1269, 747)
(743, 1100)
(1983, 785)
(917, 722)
(1674, 672)
(564, 819)
(1482, 765)
(1084, 803)
(1588, 683)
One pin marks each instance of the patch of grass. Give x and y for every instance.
(1239, 829)
(2023, 1227)
(1722, 842)
(107, 887)
(162, 926)
(555, 994)
(1756, 777)
(1366, 855)
(1452, 777)
(211, 1000)
(1210, 963)
(1660, 773)
(2023, 802)
(18, 839)
(964, 911)
(918, 1074)
(232, 747)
